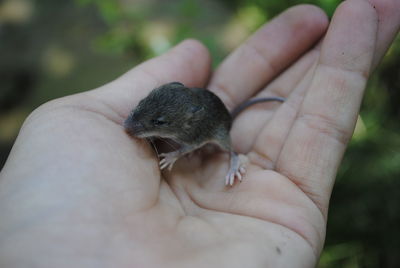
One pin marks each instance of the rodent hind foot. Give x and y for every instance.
(234, 173)
(236, 169)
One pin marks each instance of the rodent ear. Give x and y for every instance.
(196, 109)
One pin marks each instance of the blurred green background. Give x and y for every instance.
(53, 48)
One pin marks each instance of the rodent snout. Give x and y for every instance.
(133, 126)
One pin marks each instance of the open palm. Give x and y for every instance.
(77, 191)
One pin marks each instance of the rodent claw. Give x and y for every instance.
(242, 170)
(163, 166)
(239, 176)
(170, 166)
(233, 179)
(167, 161)
(233, 174)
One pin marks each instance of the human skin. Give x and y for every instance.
(77, 191)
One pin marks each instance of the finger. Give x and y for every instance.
(388, 25)
(270, 141)
(188, 63)
(265, 54)
(257, 117)
(276, 131)
(286, 82)
(272, 137)
(317, 140)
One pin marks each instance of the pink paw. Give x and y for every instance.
(168, 160)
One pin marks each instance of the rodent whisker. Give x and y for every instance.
(169, 143)
(155, 147)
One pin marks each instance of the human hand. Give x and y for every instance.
(76, 191)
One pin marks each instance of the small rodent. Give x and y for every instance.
(192, 117)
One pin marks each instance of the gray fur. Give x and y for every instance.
(191, 116)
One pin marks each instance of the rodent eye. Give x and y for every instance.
(159, 121)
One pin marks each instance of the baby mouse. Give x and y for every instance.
(192, 117)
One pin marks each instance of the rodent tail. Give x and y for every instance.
(250, 102)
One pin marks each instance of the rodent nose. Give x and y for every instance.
(133, 126)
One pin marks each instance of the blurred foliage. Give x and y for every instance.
(55, 48)
(148, 28)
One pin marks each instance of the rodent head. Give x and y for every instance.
(166, 112)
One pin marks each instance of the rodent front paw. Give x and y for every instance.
(168, 159)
